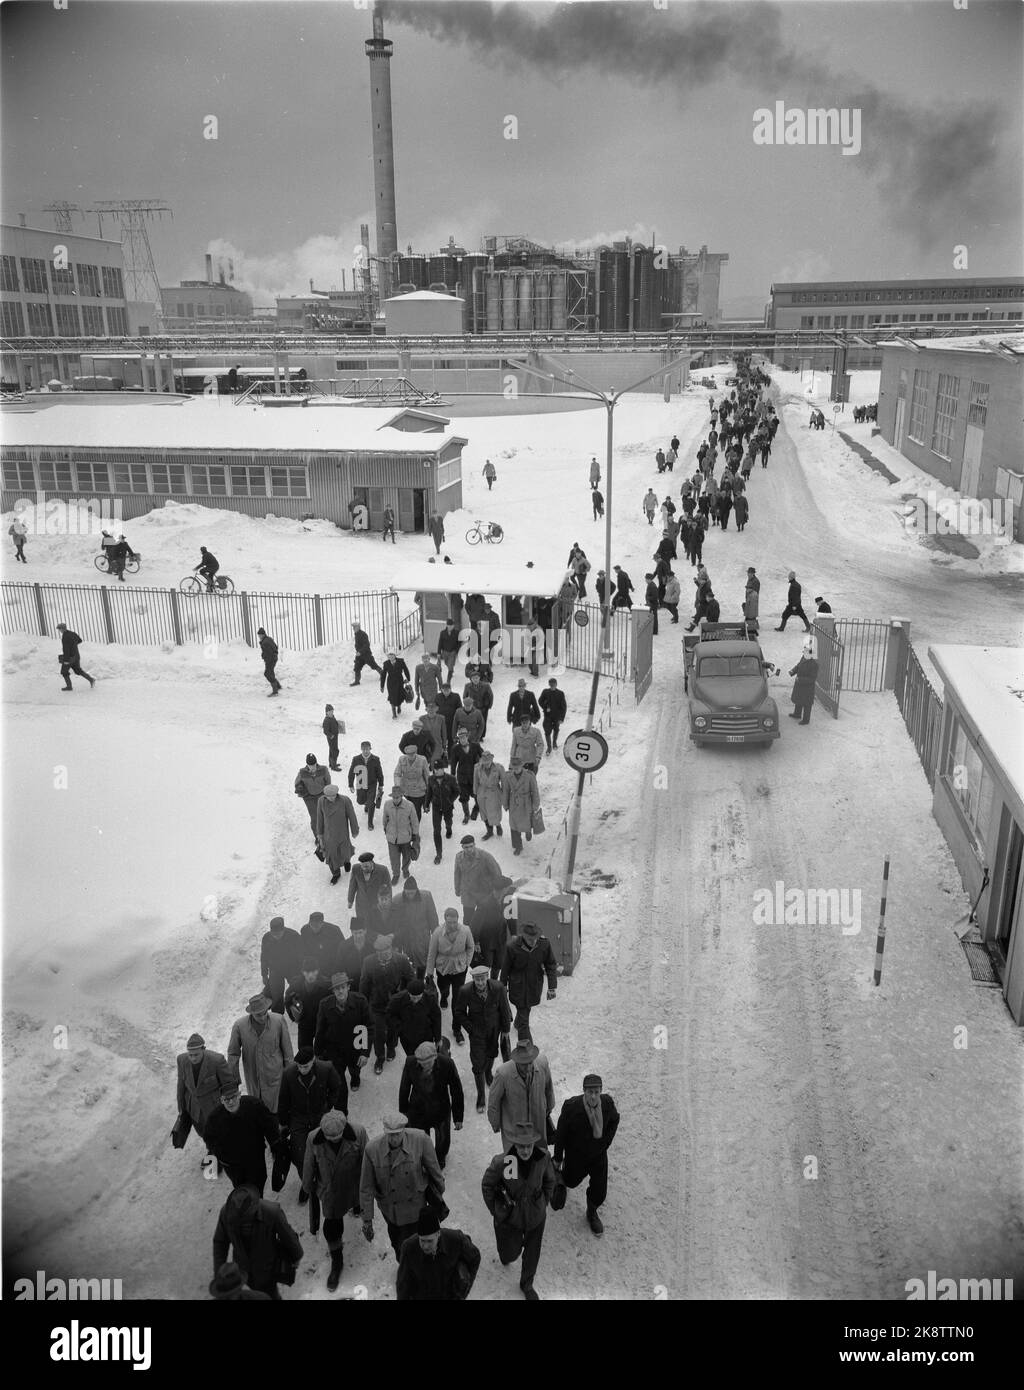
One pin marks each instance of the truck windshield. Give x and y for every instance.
(712, 666)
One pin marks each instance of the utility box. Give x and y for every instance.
(557, 914)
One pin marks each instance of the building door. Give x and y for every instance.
(977, 414)
(412, 509)
(1004, 931)
(901, 411)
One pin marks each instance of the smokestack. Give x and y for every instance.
(379, 50)
(220, 271)
(21, 219)
(209, 270)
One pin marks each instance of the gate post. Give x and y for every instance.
(40, 611)
(246, 619)
(898, 642)
(176, 617)
(107, 619)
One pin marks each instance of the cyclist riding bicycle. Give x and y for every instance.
(207, 567)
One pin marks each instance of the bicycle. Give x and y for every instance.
(192, 584)
(493, 535)
(130, 566)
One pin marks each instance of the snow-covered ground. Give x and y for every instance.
(152, 830)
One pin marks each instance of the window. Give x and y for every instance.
(874, 319)
(221, 310)
(33, 273)
(13, 319)
(130, 477)
(977, 409)
(824, 320)
(40, 321)
(857, 321)
(168, 477)
(841, 320)
(89, 280)
(113, 285)
(969, 782)
(919, 406)
(248, 482)
(961, 318)
(208, 480)
(55, 475)
(891, 318)
(201, 310)
(807, 321)
(942, 318)
(288, 482)
(19, 477)
(926, 318)
(92, 477)
(909, 318)
(449, 473)
(117, 323)
(945, 414)
(9, 280)
(92, 321)
(1014, 314)
(67, 320)
(63, 281)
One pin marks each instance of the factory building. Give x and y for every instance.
(196, 305)
(423, 313)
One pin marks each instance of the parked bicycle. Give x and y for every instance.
(130, 566)
(493, 535)
(192, 584)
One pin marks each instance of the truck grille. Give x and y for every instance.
(743, 724)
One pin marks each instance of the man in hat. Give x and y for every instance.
(260, 1238)
(517, 1188)
(434, 728)
(442, 794)
(356, 948)
(822, 606)
(469, 718)
(261, 1041)
(522, 703)
(280, 961)
(309, 1088)
(385, 973)
(521, 1092)
(448, 648)
(477, 876)
(430, 1095)
(416, 1015)
(237, 1134)
(426, 680)
(464, 757)
(447, 703)
(331, 1171)
(332, 727)
(482, 694)
(412, 920)
(70, 657)
(365, 886)
(400, 1167)
(752, 596)
(528, 959)
(482, 1010)
(520, 796)
(228, 1286)
(583, 1136)
(323, 940)
(793, 607)
(411, 771)
(343, 1028)
(401, 827)
(806, 672)
(201, 1076)
(448, 957)
(488, 786)
(310, 781)
(552, 702)
(302, 1000)
(336, 828)
(364, 655)
(366, 778)
(527, 744)
(269, 653)
(436, 1265)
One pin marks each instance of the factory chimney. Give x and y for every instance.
(209, 270)
(379, 50)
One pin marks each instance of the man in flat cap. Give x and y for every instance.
(400, 1167)
(344, 1026)
(237, 1134)
(482, 1010)
(366, 882)
(517, 1188)
(586, 1128)
(201, 1075)
(436, 1265)
(418, 1016)
(477, 877)
(331, 1171)
(309, 1088)
(385, 973)
(323, 940)
(281, 955)
(430, 1096)
(261, 1042)
(521, 1092)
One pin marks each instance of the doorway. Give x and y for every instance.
(412, 509)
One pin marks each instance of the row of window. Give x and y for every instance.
(191, 311)
(854, 321)
(163, 479)
(969, 782)
(62, 283)
(907, 296)
(944, 416)
(72, 321)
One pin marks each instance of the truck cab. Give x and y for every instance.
(726, 683)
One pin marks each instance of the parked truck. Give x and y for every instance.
(725, 678)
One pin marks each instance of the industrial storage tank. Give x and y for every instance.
(525, 296)
(559, 280)
(508, 301)
(492, 299)
(412, 270)
(542, 301)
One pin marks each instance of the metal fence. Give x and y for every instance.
(921, 708)
(865, 644)
(829, 683)
(150, 617)
(580, 645)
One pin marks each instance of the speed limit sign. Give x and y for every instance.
(585, 750)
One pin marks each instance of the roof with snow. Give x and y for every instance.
(495, 577)
(988, 343)
(215, 423)
(988, 685)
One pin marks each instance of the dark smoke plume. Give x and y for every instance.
(931, 164)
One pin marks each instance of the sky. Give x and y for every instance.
(633, 118)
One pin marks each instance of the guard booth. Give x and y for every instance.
(558, 915)
(517, 592)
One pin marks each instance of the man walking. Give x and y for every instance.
(448, 958)
(521, 1092)
(260, 1237)
(597, 502)
(517, 1190)
(364, 656)
(366, 778)
(482, 1010)
(430, 1096)
(477, 877)
(365, 885)
(280, 961)
(302, 1000)
(583, 1136)
(336, 828)
(268, 651)
(400, 1168)
(331, 1170)
(261, 1041)
(436, 1265)
(522, 704)
(237, 1134)
(202, 1075)
(401, 829)
(385, 973)
(70, 658)
(310, 781)
(752, 597)
(309, 1089)
(388, 527)
(18, 532)
(416, 1016)
(343, 1028)
(520, 797)
(490, 473)
(332, 728)
(442, 794)
(435, 525)
(806, 672)
(528, 960)
(448, 649)
(793, 608)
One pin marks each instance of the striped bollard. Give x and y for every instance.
(880, 940)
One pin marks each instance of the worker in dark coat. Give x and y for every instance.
(385, 973)
(435, 525)
(483, 1012)
(237, 1134)
(302, 1000)
(281, 953)
(793, 607)
(364, 654)
(367, 881)
(442, 794)
(269, 653)
(323, 940)
(447, 704)
(585, 1130)
(528, 959)
(394, 677)
(309, 1088)
(310, 781)
(806, 672)
(517, 1190)
(259, 1236)
(417, 1017)
(366, 779)
(522, 702)
(332, 728)
(70, 658)
(202, 1074)
(623, 588)
(343, 1029)
(331, 1172)
(437, 1265)
(430, 1096)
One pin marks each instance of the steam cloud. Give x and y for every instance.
(930, 163)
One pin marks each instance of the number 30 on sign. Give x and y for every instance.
(585, 750)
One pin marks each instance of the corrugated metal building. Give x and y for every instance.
(313, 460)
